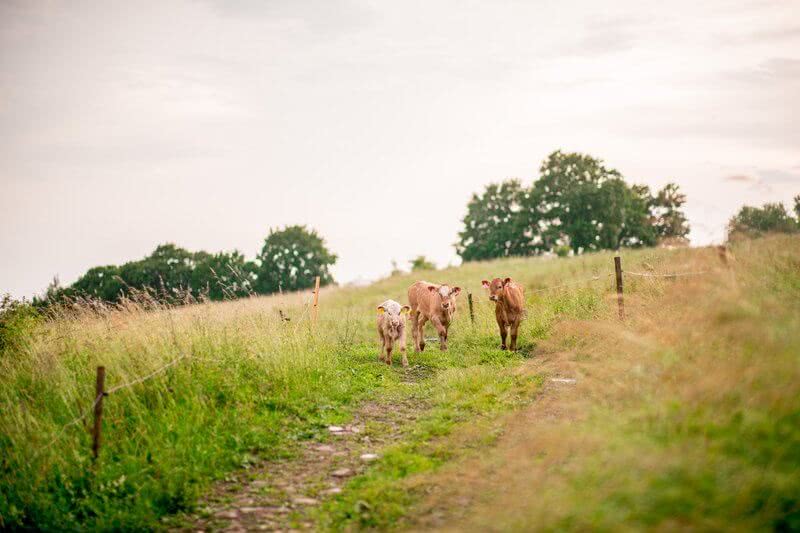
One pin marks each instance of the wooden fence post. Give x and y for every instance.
(315, 310)
(471, 312)
(98, 409)
(620, 301)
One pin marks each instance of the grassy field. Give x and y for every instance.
(685, 416)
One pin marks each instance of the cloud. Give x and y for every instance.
(741, 178)
(779, 176)
(773, 70)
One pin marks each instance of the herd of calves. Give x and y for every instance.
(437, 303)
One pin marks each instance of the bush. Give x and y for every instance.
(17, 319)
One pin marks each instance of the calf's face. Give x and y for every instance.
(495, 288)
(394, 323)
(447, 295)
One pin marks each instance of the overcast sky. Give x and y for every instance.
(204, 123)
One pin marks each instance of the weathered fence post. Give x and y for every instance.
(98, 409)
(471, 312)
(620, 301)
(315, 310)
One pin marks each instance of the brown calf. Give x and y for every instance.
(436, 303)
(509, 307)
(391, 328)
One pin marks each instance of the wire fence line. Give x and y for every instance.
(99, 397)
(674, 275)
(147, 377)
(65, 426)
(585, 280)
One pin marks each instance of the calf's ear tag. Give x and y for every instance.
(381, 310)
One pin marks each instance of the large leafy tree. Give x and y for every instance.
(291, 258)
(493, 226)
(577, 203)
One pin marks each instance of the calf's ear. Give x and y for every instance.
(455, 291)
(405, 309)
(381, 309)
(431, 288)
(485, 284)
(506, 281)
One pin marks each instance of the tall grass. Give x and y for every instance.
(251, 385)
(687, 417)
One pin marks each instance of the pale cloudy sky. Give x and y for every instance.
(127, 124)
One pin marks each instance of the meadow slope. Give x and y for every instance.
(685, 415)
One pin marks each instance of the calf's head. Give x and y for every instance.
(495, 288)
(447, 295)
(393, 321)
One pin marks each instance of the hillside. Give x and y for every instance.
(685, 415)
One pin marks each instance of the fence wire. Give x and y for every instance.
(585, 280)
(110, 391)
(675, 275)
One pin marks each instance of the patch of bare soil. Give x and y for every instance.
(279, 495)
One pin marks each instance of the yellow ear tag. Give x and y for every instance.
(381, 310)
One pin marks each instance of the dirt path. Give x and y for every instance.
(280, 495)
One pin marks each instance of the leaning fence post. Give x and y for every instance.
(471, 312)
(620, 301)
(315, 310)
(98, 409)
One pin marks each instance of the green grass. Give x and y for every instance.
(253, 386)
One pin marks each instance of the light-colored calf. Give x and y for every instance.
(509, 307)
(391, 328)
(436, 303)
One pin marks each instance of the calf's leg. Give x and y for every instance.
(514, 330)
(402, 341)
(442, 331)
(383, 344)
(421, 332)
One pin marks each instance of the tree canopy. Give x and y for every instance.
(577, 203)
(289, 261)
(291, 258)
(769, 218)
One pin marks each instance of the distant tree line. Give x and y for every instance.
(769, 218)
(577, 204)
(289, 261)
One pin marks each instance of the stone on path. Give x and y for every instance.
(331, 491)
(305, 501)
(336, 429)
(325, 448)
(342, 472)
(230, 515)
(368, 457)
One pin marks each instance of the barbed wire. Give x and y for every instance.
(65, 426)
(145, 378)
(675, 275)
(110, 391)
(593, 278)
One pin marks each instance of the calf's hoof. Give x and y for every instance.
(503, 347)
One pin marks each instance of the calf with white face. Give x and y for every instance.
(436, 303)
(391, 328)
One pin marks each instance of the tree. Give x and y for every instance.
(421, 263)
(669, 220)
(576, 204)
(580, 202)
(291, 258)
(222, 275)
(492, 226)
(771, 217)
